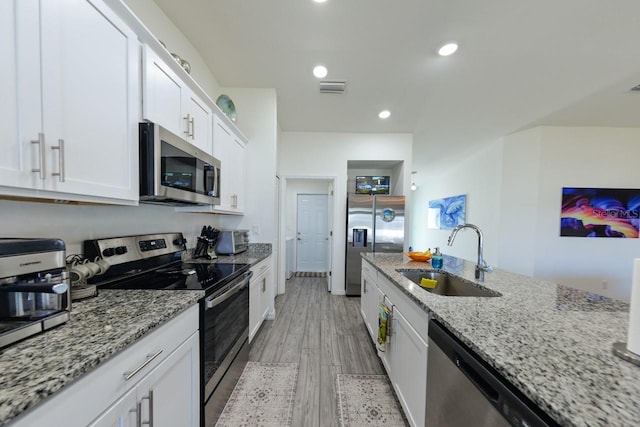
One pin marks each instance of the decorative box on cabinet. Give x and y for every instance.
(73, 68)
(159, 372)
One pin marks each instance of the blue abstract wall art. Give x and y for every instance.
(447, 213)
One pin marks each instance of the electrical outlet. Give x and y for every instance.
(256, 229)
(605, 284)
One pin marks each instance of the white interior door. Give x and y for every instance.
(312, 233)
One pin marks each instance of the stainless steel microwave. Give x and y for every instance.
(175, 172)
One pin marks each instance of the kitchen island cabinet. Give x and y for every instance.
(73, 92)
(551, 342)
(405, 352)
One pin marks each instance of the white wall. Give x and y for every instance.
(76, 223)
(176, 42)
(477, 175)
(585, 157)
(514, 193)
(257, 117)
(314, 154)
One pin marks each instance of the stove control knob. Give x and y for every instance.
(108, 252)
(121, 250)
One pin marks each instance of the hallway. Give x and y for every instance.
(325, 334)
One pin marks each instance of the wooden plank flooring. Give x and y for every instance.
(326, 336)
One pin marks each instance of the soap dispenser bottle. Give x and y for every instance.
(436, 260)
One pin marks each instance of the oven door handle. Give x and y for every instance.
(211, 302)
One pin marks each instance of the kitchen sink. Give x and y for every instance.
(448, 285)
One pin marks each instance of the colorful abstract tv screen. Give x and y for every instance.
(372, 185)
(600, 212)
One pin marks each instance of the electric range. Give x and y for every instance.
(153, 262)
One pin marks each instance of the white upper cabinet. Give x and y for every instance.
(73, 87)
(168, 101)
(230, 149)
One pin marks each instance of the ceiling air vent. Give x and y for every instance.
(635, 88)
(333, 86)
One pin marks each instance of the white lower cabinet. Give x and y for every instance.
(369, 300)
(260, 295)
(163, 397)
(155, 381)
(405, 355)
(409, 367)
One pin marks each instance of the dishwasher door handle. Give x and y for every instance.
(476, 378)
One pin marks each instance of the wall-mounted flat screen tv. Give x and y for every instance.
(372, 185)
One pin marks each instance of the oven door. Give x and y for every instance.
(224, 334)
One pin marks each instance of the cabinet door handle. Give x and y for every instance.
(264, 285)
(190, 132)
(60, 148)
(193, 127)
(129, 375)
(139, 414)
(40, 142)
(150, 399)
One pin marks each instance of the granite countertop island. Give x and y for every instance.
(550, 341)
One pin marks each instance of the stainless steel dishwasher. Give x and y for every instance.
(462, 390)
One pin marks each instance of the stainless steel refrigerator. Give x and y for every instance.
(374, 224)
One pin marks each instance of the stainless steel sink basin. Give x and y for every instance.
(448, 285)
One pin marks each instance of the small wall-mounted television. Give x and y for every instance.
(372, 185)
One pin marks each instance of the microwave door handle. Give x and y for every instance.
(208, 190)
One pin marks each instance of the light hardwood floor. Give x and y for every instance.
(325, 334)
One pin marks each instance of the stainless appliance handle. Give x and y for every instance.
(60, 148)
(56, 288)
(129, 375)
(211, 302)
(40, 142)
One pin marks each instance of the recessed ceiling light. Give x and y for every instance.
(384, 114)
(320, 71)
(319, 1)
(448, 49)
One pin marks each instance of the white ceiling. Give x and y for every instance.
(520, 63)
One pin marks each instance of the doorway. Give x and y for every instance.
(312, 235)
(291, 187)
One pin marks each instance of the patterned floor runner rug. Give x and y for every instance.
(310, 274)
(263, 396)
(367, 400)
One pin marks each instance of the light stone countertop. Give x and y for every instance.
(550, 341)
(99, 328)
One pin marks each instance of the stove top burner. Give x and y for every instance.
(182, 276)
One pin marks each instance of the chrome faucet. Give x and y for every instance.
(481, 266)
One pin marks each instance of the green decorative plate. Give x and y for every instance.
(226, 105)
